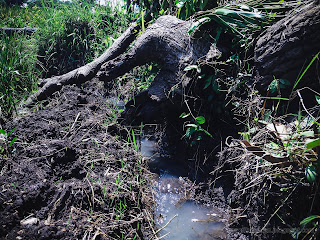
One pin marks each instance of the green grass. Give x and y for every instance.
(69, 35)
(18, 71)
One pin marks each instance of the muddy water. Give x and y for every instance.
(176, 216)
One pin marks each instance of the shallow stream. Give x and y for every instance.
(177, 217)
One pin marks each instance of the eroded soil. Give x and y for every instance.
(73, 173)
(67, 177)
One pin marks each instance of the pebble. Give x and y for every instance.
(29, 221)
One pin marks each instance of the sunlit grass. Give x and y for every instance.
(18, 72)
(69, 35)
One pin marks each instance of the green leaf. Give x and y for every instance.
(284, 81)
(215, 86)
(200, 119)
(134, 141)
(142, 21)
(206, 132)
(8, 134)
(180, 4)
(311, 173)
(189, 131)
(240, 17)
(208, 82)
(317, 99)
(198, 24)
(275, 98)
(12, 141)
(313, 143)
(202, 76)
(309, 219)
(191, 125)
(184, 115)
(2, 132)
(295, 232)
(274, 85)
(305, 70)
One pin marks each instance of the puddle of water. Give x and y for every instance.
(187, 219)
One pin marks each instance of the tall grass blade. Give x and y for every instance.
(305, 70)
(134, 140)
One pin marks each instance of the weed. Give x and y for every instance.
(18, 73)
(58, 181)
(70, 35)
(5, 143)
(194, 127)
(134, 141)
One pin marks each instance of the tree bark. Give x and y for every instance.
(286, 48)
(84, 73)
(166, 42)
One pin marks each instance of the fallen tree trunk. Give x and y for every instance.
(84, 73)
(166, 41)
(287, 47)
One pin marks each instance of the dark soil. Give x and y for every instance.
(269, 202)
(69, 176)
(73, 173)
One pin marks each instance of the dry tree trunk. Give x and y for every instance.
(166, 41)
(86, 72)
(287, 47)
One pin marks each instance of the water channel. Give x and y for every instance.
(178, 217)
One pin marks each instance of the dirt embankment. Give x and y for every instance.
(67, 177)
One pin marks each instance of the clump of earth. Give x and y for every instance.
(69, 176)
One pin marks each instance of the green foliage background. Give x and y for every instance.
(69, 35)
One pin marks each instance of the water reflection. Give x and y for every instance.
(177, 217)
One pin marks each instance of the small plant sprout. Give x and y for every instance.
(4, 142)
(194, 127)
(134, 141)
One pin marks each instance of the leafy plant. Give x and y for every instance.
(241, 20)
(195, 127)
(277, 84)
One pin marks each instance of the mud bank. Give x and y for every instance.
(67, 177)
